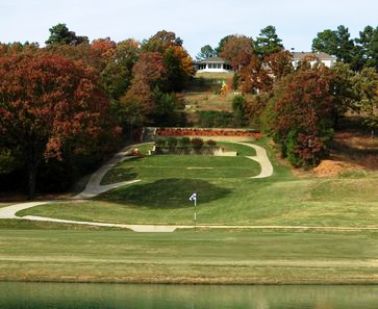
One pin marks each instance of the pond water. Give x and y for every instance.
(69, 296)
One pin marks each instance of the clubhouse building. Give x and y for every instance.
(212, 65)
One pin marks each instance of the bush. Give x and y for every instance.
(306, 150)
(211, 143)
(172, 144)
(235, 82)
(184, 145)
(210, 147)
(160, 142)
(160, 145)
(238, 108)
(215, 119)
(197, 144)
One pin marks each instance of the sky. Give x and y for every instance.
(197, 22)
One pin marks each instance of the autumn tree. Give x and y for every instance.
(46, 103)
(104, 47)
(279, 64)
(179, 68)
(222, 42)
(303, 109)
(177, 61)
(148, 73)
(255, 77)
(17, 47)
(161, 41)
(255, 72)
(60, 34)
(117, 74)
(238, 51)
(82, 52)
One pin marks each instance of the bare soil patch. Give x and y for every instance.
(357, 149)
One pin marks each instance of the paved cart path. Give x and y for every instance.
(10, 212)
(94, 188)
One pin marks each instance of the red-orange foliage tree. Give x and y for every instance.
(148, 71)
(304, 105)
(104, 47)
(279, 64)
(178, 63)
(255, 77)
(238, 50)
(47, 101)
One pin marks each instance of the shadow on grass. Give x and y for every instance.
(120, 173)
(166, 193)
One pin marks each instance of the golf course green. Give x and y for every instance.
(227, 195)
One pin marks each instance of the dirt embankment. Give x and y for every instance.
(351, 152)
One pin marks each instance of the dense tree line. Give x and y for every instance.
(66, 106)
(360, 52)
(300, 107)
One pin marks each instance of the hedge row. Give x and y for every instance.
(184, 145)
(207, 132)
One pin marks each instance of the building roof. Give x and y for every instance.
(298, 56)
(214, 59)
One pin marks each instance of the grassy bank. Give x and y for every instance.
(188, 257)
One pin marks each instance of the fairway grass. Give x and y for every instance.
(309, 202)
(188, 257)
(42, 252)
(6, 224)
(280, 200)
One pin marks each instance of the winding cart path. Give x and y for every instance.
(94, 188)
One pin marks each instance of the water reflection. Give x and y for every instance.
(70, 296)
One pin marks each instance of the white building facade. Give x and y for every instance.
(313, 58)
(213, 65)
(219, 65)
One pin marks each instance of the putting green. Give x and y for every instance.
(182, 166)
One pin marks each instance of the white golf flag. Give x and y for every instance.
(193, 197)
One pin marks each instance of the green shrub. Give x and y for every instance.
(235, 81)
(238, 108)
(215, 119)
(184, 145)
(172, 144)
(160, 142)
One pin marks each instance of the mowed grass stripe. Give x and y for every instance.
(219, 256)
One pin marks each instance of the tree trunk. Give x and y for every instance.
(32, 179)
(33, 160)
